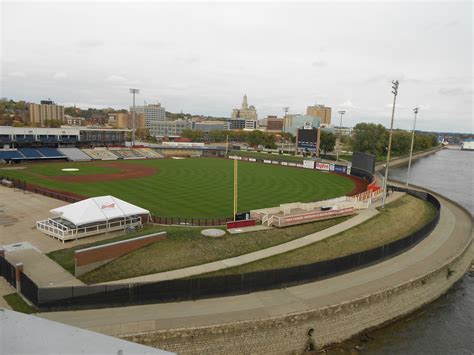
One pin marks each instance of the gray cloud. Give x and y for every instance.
(455, 91)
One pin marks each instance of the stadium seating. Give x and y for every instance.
(74, 154)
(10, 154)
(148, 152)
(126, 153)
(30, 153)
(50, 153)
(100, 154)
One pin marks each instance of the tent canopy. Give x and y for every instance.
(97, 209)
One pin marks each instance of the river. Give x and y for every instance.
(445, 326)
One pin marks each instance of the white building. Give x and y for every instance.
(152, 114)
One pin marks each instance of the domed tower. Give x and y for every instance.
(245, 105)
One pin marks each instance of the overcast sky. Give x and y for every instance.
(202, 57)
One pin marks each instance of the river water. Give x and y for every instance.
(445, 326)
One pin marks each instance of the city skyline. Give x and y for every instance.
(278, 54)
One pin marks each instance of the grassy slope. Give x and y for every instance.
(398, 220)
(18, 304)
(186, 247)
(199, 187)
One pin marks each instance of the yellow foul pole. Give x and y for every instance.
(235, 186)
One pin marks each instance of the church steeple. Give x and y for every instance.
(245, 105)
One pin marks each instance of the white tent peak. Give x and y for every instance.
(97, 209)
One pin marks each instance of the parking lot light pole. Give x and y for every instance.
(415, 111)
(395, 93)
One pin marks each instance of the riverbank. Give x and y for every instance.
(404, 159)
(277, 321)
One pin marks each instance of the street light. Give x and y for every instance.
(133, 92)
(415, 111)
(341, 112)
(395, 93)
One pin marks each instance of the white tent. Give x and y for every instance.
(94, 215)
(98, 209)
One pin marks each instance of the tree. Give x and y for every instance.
(370, 138)
(327, 142)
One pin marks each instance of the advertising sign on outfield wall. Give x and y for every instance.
(308, 164)
(340, 169)
(291, 164)
(252, 159)
(267, 161)
(331, 167)
(348, 170)
(284, 163)
(322, 166)
(299, 165)
(275, 162)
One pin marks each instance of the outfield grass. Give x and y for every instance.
(399, 219)
(194, 187)
(186, 247)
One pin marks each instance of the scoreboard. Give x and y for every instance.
(307, 139)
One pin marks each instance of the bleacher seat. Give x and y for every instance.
(74, 154)
(50, 153)
(10, 154)
(148, 152)
(30, 153)
(100, 154)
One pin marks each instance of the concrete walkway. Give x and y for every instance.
(362, 216)
(452, 234)
(40, 268)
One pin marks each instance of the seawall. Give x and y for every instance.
(339, 322)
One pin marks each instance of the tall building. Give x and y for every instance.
(152, 115)
(46, 110)
(246, 112)
(171, 128)
(124, 120)
(321, 111)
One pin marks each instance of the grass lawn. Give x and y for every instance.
(18, 304)
(186, 247)
(399, 219)
(194, 187)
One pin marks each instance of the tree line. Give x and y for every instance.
(373, 138)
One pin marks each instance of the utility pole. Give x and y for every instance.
(415, 111)
(395, 93)
(133, 92)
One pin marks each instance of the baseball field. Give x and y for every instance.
(190, 187)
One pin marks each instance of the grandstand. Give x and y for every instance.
(74, 154)
(30, 153)
(148, 152)
(50, 153)
(10, 154)
(127, 153)
(100, 154)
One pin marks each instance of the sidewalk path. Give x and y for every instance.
(452, 234)
(362, 216)
(44, 271)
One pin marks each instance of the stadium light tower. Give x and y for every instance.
(133, 92)
(395, 93)
(415, 111)
(341, 112)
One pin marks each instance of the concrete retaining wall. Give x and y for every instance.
(91, 258)
(289, 334)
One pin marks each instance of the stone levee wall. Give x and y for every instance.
(288, 334)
